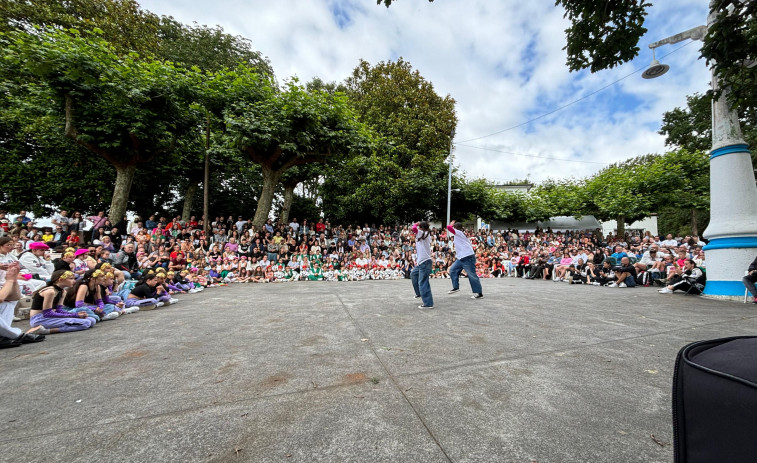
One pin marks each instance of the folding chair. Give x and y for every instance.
(697, 286)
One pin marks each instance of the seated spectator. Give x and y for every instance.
(686, 280)
(749, 280)
(144, 295)
(625, 274)
(64, 262)
(72, 240)
(37, 262)
(48, 311)
(10, 293)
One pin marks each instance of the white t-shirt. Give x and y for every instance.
(422, 246)
(463, 248)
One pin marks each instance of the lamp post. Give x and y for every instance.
(449, 178)
(732, 232)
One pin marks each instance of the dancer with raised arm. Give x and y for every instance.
(420, 273)
(465, 260)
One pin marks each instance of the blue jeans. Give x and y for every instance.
(419, 276)
(467, 263)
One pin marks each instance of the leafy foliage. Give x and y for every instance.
(691, 127)
(730, 47)
(405, 177)
(280, 130)
(121, 22)
(603, 33)
(208, 48)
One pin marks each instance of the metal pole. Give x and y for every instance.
(449, 178)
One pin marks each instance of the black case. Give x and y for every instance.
(715, 401)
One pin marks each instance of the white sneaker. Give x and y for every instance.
(665, 291)
(160, 304)
(622, 285)
(172, 301)
(595, 283)
(613, 285)
(111, 316)
(192, 291)
(130, 309)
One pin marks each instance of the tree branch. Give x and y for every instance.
(71, 132)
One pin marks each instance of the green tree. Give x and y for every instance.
(125, 110)
(681, 180)
(405, 178)
(282, 129)
(121, 22)
(691, 127)
(621, 192)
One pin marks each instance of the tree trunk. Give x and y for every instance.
(621, 233)
(206, 183)
(124, 179)
(189, 197)
(694, 230)
(270, 180)
(288, 200)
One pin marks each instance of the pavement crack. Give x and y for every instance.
(393, 379)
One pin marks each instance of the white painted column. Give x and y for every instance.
(732, 232)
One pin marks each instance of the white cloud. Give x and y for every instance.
(501, 60)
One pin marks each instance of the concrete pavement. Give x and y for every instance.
(355, 372)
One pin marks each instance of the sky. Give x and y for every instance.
(501, 60)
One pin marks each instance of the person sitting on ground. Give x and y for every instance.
(48, 311)
(750, 278)
(625, 274)
(64, 262)
(685, 280)
(144, 294)
(10, 293)
(87, 295)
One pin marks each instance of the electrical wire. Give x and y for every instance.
(571, 103)
(533, 155)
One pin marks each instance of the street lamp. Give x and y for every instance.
(449, 178)
(732, 232)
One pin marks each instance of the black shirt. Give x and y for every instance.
(143, 291)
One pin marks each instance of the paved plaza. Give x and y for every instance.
(355, 372)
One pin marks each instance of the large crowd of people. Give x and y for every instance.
(108, 269)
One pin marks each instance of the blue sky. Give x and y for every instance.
(501, 60)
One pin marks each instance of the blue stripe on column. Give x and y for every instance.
(724, 288)
(729, 149)
(735, 242)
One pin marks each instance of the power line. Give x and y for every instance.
(572, 102)
(533, 155)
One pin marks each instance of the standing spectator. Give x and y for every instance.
(150, 223)
(97, 220)
(240, 223)
(294, 226)
(61, 220)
